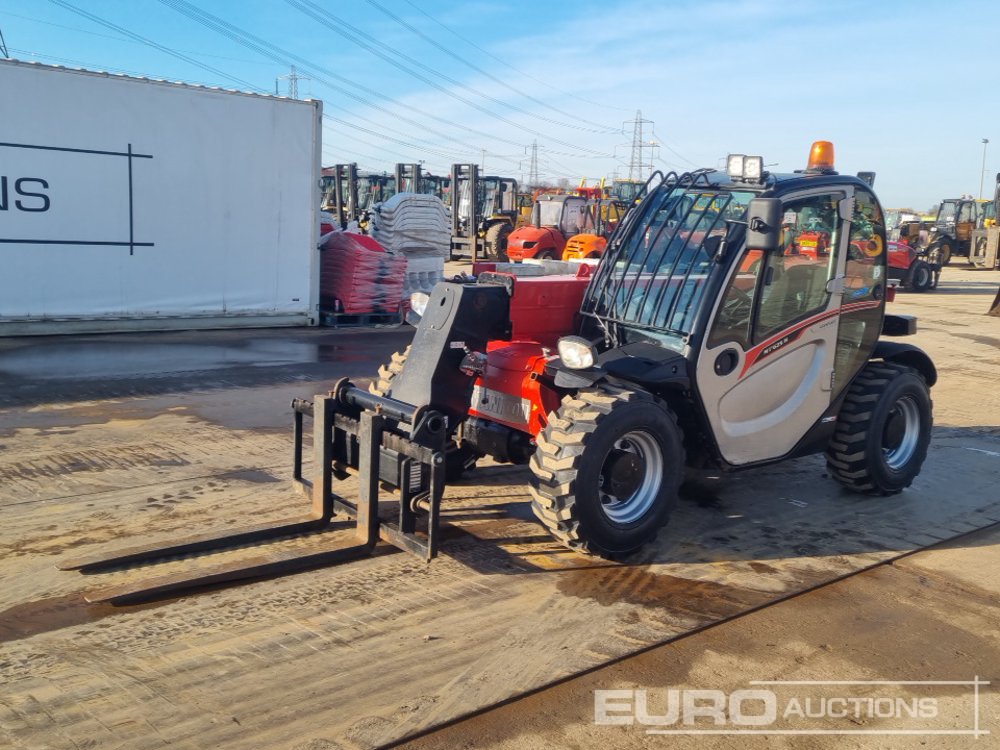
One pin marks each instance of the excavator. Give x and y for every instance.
(706, 336)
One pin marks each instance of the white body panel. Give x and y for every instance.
(779, 387)
(132, 203)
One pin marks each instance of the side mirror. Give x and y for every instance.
(764, 224)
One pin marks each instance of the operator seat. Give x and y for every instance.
(801, 288)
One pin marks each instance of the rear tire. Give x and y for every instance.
(496, 241)
(458, 458)
(883, 430)
(606, 471)
(921, 277)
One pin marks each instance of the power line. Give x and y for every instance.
(507, 64)
(353, 34)
(3, 45)
(498, 81)
(78, 30)
(173, 53)
(247, 85)
(282, 56)
(380, 50)
(671, 150)
(254, 88)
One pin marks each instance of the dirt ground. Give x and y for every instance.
(111, 440)
(933, 616)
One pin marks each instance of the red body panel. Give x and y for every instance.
(513, 390)
(544, 308)
(901, 255)
(531, 241)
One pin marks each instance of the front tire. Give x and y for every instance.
(496, 241)
(883, 430)
(606, 471)
(921, 277)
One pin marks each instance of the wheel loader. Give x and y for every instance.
(713, 333)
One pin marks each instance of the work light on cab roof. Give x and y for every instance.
(743, 168)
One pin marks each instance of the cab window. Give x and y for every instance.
(864, 282)
(966, 214)
(794, 282)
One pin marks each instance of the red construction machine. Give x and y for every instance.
(555, 218)
(912, 268)
(700, 340)
(566, 227)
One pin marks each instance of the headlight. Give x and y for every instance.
(418, 302)
(576, 352)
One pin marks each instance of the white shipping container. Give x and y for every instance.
(128, 203)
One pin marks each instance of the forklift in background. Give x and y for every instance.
(484, 212)
(349, 194)
(411, 178)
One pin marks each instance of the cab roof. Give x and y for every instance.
(774, 184)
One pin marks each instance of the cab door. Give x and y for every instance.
(765, 371)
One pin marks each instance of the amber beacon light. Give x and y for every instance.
(821, 156)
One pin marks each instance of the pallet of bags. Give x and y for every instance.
(413, 224)
(357, 275)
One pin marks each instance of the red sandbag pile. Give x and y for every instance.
(358, 277)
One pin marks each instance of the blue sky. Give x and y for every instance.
(907, 89)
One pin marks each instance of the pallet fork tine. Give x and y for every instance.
(350, 428)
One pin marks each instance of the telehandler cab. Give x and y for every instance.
(734, 321)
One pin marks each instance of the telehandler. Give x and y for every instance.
(705, 337)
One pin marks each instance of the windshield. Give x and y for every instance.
(627, 190)
(549, 213)
(576, 218)
(947, 211)
(657, 275)
(488, 188)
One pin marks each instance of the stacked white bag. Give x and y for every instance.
(419, 227)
